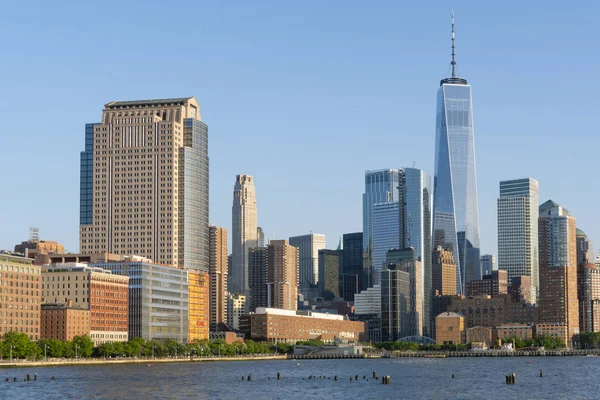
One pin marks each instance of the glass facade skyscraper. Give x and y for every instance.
(415, 222)
(386, 234)
(518, 230)
(381, 186)
(455, 206)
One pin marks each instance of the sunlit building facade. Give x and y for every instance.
(518, 230)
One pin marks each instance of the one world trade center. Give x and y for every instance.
(455, 205)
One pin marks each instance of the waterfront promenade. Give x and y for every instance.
(126, 360)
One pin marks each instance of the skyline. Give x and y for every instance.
(328, 208)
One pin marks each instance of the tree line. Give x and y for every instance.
(17, 345)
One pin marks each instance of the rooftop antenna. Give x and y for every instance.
(453, 62)
(34, 235)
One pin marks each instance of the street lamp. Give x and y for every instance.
(45, 352)
(76, 347)
(11, 347)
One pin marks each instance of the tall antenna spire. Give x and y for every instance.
(453, 62)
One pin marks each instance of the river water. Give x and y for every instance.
(411, 378)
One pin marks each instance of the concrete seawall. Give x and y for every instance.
(100, 361)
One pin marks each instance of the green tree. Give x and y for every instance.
(84, 345)
(17, 344)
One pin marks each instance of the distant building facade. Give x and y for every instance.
(558, 269)
(96, 289)
(282, 275)
(25, 315)
(257, 278)
(308, 255)
(488, 264)
(236, 309)
(218, 273)
(443, 273)
(518, 230)
(493, 285)
(588, 285)
(276, 325)
(396, 305)
(61, 322)
(353, 270)
(158, 299)
(329, 274)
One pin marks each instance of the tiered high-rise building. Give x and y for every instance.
(518, 230)
(455, 204)
(244, 233)
(218, 274)
(308, 253)
(282, 275)
(558, 304)
(144, 182)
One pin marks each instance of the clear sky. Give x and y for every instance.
(303, 95)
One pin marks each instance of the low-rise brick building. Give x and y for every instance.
(63, 322)
(19, 295)
(277, 325)
(104, 294)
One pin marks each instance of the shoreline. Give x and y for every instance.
(89, 362)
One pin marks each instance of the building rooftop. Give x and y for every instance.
(449, 314)
(580, 233)
(147, 103)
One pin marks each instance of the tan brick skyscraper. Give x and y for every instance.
(443, 272)
(282, 275)
(244, 232)
(558, 269)
(144, 182)
(218, 275)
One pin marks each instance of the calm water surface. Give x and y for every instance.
(412, 378)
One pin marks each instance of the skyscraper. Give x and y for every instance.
(406, 260)
(260, 237)
(282, 275)
(415, 232)
(518, 230)
(218, 276)
(308, 253)
(257, 278)
(488, 264)
(444, 273)
(244, 232)
(329, 274)
(558, 306)
(144, 182)
(354, 276)
(588, 285)
(381, 186)
(455, 205)
(386, 234)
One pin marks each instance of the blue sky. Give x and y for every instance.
(305, 96)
